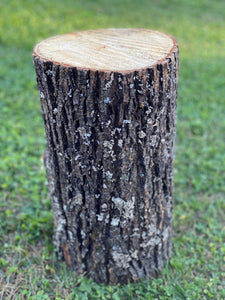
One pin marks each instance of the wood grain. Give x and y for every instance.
(120, 50)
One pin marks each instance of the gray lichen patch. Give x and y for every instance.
(126, 208)
(115, 221)
(141, 134)
(121, 260)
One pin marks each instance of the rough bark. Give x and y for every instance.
(109, 164)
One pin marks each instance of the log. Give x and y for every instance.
(108, 99)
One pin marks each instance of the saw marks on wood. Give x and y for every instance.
(120, 50)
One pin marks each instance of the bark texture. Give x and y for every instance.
(109, 164)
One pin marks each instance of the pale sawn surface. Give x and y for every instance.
(107, 49)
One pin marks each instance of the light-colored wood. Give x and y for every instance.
(120, 50)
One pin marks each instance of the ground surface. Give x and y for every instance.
(28, 266)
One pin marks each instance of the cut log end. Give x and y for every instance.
(120, 50)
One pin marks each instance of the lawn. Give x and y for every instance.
(29, 268)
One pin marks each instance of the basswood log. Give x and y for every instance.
(109, 102)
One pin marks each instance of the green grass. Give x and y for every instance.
(28, 264)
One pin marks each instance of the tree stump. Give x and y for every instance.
(109, 106)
